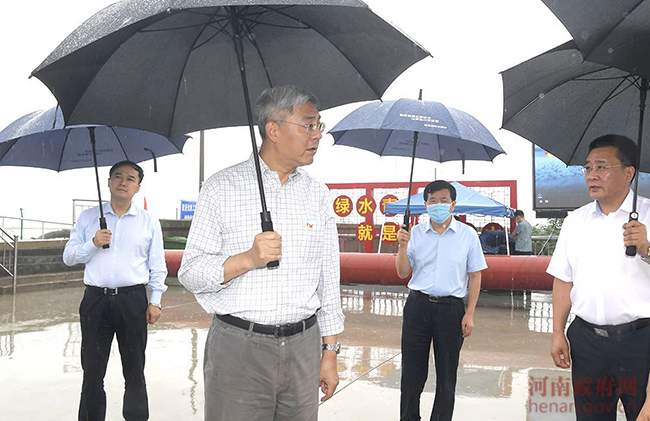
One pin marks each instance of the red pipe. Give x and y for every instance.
(503, 272)
(174, 259)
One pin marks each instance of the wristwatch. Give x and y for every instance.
(156, 305)
(332, 347)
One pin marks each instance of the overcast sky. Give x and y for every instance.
(471, 42)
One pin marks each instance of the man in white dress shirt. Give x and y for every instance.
(608, 292)
(115, 301)
(263, 354)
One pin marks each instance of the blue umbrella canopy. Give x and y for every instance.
(468, 201)
(41, 139)
(419, 129)
(444, 133)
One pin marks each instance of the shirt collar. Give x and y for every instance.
(626, 206)
(268, 172)
(453, 225)
(109, 209)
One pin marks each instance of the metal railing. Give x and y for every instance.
(9, 263)
(544, 244)
(16, 225)
(80, 205)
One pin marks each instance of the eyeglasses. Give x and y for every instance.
(599, 168)
(312, 127)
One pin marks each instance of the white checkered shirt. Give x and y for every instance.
(225, 222)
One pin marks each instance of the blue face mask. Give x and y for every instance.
(439, 212)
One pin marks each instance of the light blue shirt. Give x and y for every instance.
(136, 254)
(441, 263)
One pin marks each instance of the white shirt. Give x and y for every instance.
(609, 288)
(225, 223)
(136, 254)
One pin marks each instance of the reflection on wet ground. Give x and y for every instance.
(505, 372)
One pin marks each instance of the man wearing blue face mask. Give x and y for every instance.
(446, 259)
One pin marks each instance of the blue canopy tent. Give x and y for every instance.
(467, 201)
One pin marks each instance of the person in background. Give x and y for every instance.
(608, 291)
(523, 235)
(263, 357)
(115, 300)
(446, 259)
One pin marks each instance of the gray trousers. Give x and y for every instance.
(250, 376)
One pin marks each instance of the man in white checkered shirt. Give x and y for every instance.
(263, 357)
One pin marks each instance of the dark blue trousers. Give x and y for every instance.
(605, 370)
(102, 317)
(425, 322)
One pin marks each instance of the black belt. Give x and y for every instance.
(277, 331)
(449, 299)
(114, 291)
(607, 331)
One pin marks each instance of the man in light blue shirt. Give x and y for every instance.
(446, 259)
(120, 260)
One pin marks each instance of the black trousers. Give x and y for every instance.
(102, 317)
(424, 322)
(605, 370)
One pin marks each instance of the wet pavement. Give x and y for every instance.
(505, 372)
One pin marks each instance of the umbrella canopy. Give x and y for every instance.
(614, 33)
(171, 66)
(174, 67)
(468, 201)
(41, 139)
(444, 133)
(416, 128)
(561, 103)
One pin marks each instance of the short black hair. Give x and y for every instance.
(519, 213)
(437, 186)
(129, 164)
(626, 149)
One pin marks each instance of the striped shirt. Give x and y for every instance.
(225, 222)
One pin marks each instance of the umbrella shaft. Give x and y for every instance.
(93, 143)
(267, 223)
(407, 214)
(239, 48)
(102, 220)
(643, 93)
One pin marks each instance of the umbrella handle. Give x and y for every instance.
(407, 216)
(631, 250)
(267, 225)
(103, 226)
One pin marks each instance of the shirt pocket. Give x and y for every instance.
(311, 231)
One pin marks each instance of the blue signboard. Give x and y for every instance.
(187, 209)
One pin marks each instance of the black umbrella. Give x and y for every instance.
(561, 103)
(174, 67)
(616, 34)
(42, 140)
